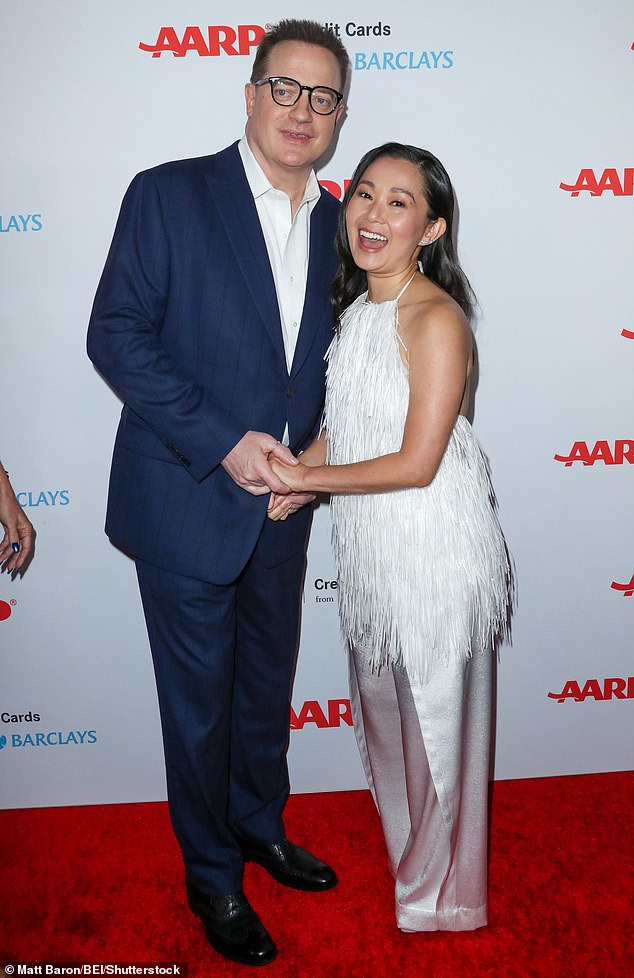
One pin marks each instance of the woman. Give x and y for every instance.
(424, 578)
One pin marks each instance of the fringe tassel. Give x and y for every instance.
(424, 574)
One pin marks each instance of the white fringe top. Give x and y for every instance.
(423, 573)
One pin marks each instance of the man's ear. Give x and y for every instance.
(249, 96)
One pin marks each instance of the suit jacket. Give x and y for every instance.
(186, 328)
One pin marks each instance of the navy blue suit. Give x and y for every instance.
(186, 329)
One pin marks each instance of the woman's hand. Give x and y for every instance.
(280, 507)
(16, 546)
(293, 476)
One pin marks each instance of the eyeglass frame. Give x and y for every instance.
(302, 88)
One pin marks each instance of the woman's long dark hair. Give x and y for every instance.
(439, 260)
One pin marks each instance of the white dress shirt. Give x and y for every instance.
(287, 242)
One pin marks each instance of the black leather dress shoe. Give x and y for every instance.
(232, 926)
(290, 865)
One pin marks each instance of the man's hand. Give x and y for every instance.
(247, 463)
(280, 507)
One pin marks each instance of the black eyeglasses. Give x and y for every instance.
(287, 91)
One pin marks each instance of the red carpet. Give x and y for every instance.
(104, 884)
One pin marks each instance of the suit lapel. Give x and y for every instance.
(237, 211)
(318, 267)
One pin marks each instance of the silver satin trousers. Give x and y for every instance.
(425, 750)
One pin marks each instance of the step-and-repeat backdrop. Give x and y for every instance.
(530, 108)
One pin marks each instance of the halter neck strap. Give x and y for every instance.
(406, 286)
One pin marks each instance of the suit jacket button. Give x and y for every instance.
(290, 392)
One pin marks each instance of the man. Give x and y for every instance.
(211, 321)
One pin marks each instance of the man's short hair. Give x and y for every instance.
(307, 31)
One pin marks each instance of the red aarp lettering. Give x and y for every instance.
(601, 452)
(627, 589)
(570, 691)
(339, 711)
(335, 188)
(311, 712)
(612, 688)
(220, 38)
(608, 181)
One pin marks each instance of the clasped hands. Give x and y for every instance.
(259, 464)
